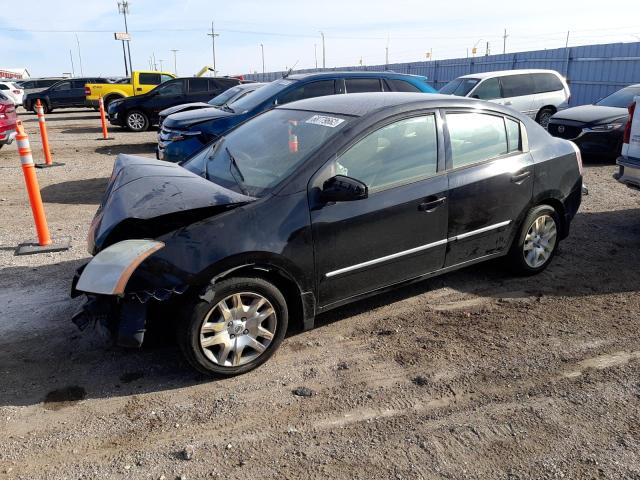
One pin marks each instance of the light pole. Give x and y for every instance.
(175, 63)
(161, 69)
(262, 50)
(324, 64)
(213, 36)
(315, 54)
(79, 56)
(123, 8)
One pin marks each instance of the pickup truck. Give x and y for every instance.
(140, 82)
(629, 160)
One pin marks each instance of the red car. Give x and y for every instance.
(7, 120)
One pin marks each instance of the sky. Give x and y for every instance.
(41, 37)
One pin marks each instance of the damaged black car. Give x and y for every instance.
(316, 204)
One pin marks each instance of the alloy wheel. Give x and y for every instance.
(136, 121)
(238, 329)
(540, 241)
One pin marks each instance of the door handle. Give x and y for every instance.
(139, 89)
(520, 177)
(431, 203)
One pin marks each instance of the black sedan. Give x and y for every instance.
(316, 204)
(597, 129)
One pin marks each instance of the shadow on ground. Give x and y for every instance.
(132, 149)
(80, 130)
(75, 192)
(58, 362)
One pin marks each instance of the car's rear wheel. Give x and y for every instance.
(137, 121)
(235, 326)
(544, 116)
(537, 241)
(45, 108)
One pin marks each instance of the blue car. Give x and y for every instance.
(183, 134)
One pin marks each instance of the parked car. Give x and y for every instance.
(8, 120)
(536, 93)
(35, 85)
(316, 204)
(64, 94)
(629, 160)
(138, 113)
(183, 134)
(13, 91)
(597, 129)
(220, 101)
(141, 82)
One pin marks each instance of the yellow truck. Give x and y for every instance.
(140, 82)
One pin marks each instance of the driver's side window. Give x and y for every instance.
(399, 153)
(63, 86)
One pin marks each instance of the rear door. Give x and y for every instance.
(362, 85)
(518, 93)
(61, 95)
(199, 90)
(490, 182)
(399, 231)
(77, 92)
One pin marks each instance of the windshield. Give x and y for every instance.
(621, 98)
(263, 93)
(225, 96)
(259, 154)
(459, 86)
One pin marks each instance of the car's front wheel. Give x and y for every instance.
(536, 242)
(137, 121)
(234, 326)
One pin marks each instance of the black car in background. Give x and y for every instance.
(34, 85)
(597, 129)
(315, 204)
(139, 112)
(63, 94)
(221, 101)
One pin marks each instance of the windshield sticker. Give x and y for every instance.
(325, 121)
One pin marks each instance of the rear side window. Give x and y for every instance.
(309, 90)
(3, 86)
(361, 85)
(513, 135)
(399, 153)
(222, 83)
(149, 79)
(546, 82)
(516, 85)
(487, 90)
(78, 83)
(401, 85)
(476, 137)
(198, 85)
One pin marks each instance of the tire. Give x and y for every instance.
(543, 117)
(540, 227)
(45, 107)
(136, 121)
(221, 359)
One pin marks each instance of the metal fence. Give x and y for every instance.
(593, 71)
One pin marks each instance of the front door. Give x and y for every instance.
(61, 95)
(399, 231)
(490, 183)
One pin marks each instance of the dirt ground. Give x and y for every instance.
(476, 374)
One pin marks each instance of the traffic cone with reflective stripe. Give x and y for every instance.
(45, 139)
(103, 120)
(45, 244)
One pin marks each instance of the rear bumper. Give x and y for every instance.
(572, 204)
(629, 172)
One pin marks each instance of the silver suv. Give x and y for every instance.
(536, 93)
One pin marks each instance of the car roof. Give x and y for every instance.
(360, 104)
(502, 73)
(346, 74)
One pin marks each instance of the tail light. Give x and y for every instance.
(17, 92)
(87, 91)
(627, 129)
(3, 107)
(578, 157)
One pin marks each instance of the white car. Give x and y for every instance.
(12, 91)
(536, 93)
(629, 160)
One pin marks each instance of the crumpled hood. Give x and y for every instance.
(184, 107)
(591, 114)
(186, 119)
(143, 188)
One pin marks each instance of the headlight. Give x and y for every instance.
(606, 127)
(177, 135)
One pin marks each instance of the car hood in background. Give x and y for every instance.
(588, 114)
(184, 107)
(143, 188)
(191, 117)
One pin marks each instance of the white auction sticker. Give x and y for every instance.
(325, 121)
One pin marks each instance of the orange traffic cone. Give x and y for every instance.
(45, 139)
(103, 120)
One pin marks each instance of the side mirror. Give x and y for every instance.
(343, 189)
(475, 96)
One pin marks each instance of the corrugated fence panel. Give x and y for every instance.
(593, 71)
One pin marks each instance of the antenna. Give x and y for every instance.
(290, 70)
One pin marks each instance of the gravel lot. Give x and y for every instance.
(475, 374)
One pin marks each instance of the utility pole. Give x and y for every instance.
(315, 53)
(566, 45)
(262, 50)
(155, 66)
(161, 69)
(123, 8)
(175, 63)
(73, 72)
(79, 56)
(486, 51)
(386, 53)
(324, 64)
(213, 36)
(504, 41)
